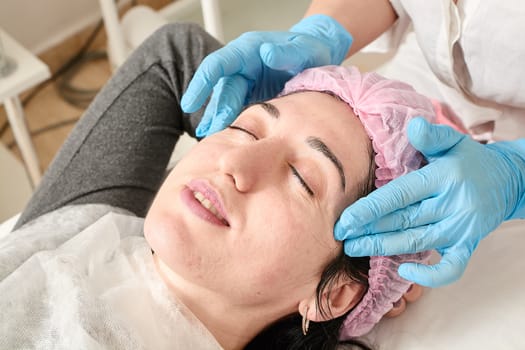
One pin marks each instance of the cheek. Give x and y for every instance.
(165, 228)
(187, 252)
(165, 236)
(177, 238)
(287, 247)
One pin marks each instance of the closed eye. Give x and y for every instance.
(294, 170)
(235, 127)
(301, 181)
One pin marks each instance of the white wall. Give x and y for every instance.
(40, 24)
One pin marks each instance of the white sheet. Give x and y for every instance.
(6, 226)
(96, 288)
(484, 310)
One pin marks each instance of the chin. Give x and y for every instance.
(163, 230)
(167, 241)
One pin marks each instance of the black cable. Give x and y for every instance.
(81, 56)
(63, 76)
(65, 67)
(73, 95)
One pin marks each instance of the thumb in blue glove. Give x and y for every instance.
(463, 194)
(256, 66)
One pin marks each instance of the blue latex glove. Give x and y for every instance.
(465, 192)
(256, 66)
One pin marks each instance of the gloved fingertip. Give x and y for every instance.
(340, 232)
(202, 128)
(432, 139)
(187, 103)
(353, 250)
(224, 116)
(217, 125)
(266, 52)
(279, 58)
(410, 272)
(270, 55)
(416, 128)
(344, 231)
(196, 94)
(431, 276)
(417, 125)
(353, 215)
(201, 132)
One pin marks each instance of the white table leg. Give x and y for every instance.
(15, 115)
(212, 18)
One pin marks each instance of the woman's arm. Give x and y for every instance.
(364, 19)
(118, 152)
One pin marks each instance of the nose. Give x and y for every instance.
(253, 164)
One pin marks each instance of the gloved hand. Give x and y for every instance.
(465, 192)
(256, 66)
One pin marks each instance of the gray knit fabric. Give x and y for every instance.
(118, 152)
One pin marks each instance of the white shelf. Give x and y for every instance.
(29, 72)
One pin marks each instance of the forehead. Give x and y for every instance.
(322, 115)
(319, 113)
(325, 116)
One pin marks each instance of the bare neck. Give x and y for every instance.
(231, 325)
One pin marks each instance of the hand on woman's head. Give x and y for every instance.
(256, 65)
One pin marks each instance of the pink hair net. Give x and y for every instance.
(384, 107)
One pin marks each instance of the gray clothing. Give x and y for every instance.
(118, 152)
(70, 276)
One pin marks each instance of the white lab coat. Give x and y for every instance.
(469, 55)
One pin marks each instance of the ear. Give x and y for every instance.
(336, 300)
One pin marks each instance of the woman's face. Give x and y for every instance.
(249, 212)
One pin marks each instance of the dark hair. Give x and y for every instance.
(287, 334)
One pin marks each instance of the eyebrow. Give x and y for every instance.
(314, 142)
(318, 145)
(271, 109)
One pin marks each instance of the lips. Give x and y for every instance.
(205, 202)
